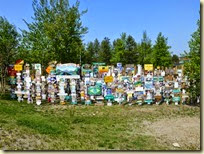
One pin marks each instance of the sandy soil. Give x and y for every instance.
(184, 131)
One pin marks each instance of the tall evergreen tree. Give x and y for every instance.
(145, 50)
(96, 45)
(90, 53)
(131, 52)
(118, 51)
(106, 50)
(161, 54)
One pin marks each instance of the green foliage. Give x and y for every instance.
(97, 47)
(106, 51)
(55, 34)
(192, 69)
(40, 124)
(161, 54)
(125, 50)
(145, 50)
(9, 41)
(175, 59)
(89, 54)
(118, 52)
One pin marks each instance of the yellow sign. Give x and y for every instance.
(119, 90)
(18, 67)
(148, 67)
(102, 69)
(108, 79)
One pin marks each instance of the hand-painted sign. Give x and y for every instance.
(67, 69)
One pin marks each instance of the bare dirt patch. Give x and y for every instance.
(15, 140)
(185, 131)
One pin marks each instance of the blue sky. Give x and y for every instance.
(176, 19)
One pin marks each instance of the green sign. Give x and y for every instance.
(109, 97)
(176, 91)
(155, 79)
(99, 64)
(94, 91)
(138, 83)
(176, 99)
(148, 101)
(161, 79)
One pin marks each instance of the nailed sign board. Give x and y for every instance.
(38, 66)
(119, 65)
(108, 79)
(103, 69)
(67, 69)
(94, 91)
(148, 67)
(18, 67)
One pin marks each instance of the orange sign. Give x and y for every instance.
(48, 69)
(108, 79)
(102, 69)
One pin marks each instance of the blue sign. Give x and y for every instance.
(119, 65)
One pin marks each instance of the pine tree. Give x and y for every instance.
(161, 54)
(106, 51)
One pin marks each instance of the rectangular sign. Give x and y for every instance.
(94, 91)
(108, 79)
(38, 66)
(148, 67)
(102, 69)
(18, 67)
(99, 64)
(67, 69)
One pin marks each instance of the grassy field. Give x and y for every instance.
(56, 127)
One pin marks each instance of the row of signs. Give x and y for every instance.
(101, 69)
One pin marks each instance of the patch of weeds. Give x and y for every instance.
(3, 121)
(40, 124)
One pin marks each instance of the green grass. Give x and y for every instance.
(58, 127)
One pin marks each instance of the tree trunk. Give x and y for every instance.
(3, 79)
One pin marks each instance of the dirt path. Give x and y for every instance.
(185, 131)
